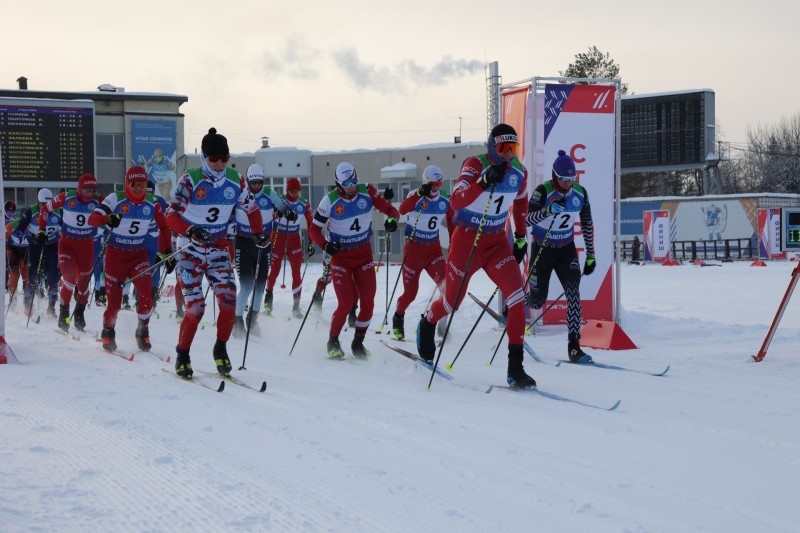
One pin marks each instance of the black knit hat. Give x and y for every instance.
(214, 143)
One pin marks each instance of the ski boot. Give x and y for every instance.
(238, 327)
(398, 329)
(221, 359)
(252, 324)
(576, 355)
(334, 348)
(108, 337)
(78, 319)
(125, 303)
(516, 373)
(143, 336)
(426, 341)
(63, 318)
(357, 346)
(296, 311)
(351, 317)
(183, 364)
(268, 302)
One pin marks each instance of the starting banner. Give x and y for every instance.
(769, 233)
(657, 242)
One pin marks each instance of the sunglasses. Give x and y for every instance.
(350, 182)
(215, 158)
(507, 147)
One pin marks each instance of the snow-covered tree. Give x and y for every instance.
(594, 64)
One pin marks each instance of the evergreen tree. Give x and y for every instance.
(594, 64)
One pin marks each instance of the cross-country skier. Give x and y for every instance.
(286, 241)
(425, 210)
(552, 212)
(43, 242)
(200, 213)
(247, 252)
(486, 189)
(347, 213)
(75, 248)
(128, 214)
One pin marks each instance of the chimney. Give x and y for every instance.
(23, 83)
(264, 142)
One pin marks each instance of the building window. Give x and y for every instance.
(110, 146)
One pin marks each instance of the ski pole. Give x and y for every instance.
(502, 335)
(396, 281)
(250, 314)
(483, 312)
(380, 258)
(387, 242)
(285, 255)
(155, 266)
(38, 280)
(325, 266)
(463, 281)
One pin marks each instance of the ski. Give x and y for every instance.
(128, 356)
(552, 396)
(219, 388)
(165, 358)
(418, 360)
(502, 321)
(71, 334)
(614, 367)
(236, 381)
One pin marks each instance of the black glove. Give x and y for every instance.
(290, 215)
(198, 234)
(388, 193)
(311, 249)
(41, 237)
(332, 248)
(390, 224)
(520, 247)
(113, 220)
(556, 207)
(262, 240)
(425, 190)
(588, 266)
(278, 214)
(170, 263)
(494, 175)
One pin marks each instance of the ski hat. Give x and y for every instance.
(432, 174)
(10, 206)
(255, 173)
(87, 181)
(564, 167)
(214, 144)
(502, 133)
(135, 174)
(293, 184)
(344, 172)
(44, 195)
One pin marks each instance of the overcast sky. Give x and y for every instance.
(328, 75)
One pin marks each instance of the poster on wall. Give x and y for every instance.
(154, 148)
(769, 233)
(657, 240)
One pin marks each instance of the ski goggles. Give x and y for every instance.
(506, 148)
(349, 182)
(216, 158)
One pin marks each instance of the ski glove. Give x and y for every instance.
(425, 190)
(113, 220)
(390, 224)
(556, 207)
(170, 264)
(311, 249)
(588, 266)
(41, 237)
(290, 215)
(520, 247)
(332, 248)
(198, 235)
(493, 176)
(388, 193)
(262, 240)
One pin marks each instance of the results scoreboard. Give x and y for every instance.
(52, 141)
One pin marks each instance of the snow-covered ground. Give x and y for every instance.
(92, 442)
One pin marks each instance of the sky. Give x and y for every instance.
(94, 442)
(374, 74)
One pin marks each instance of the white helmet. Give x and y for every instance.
(345, 171)
(255, 173)
(432, 174)
(45, 196)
